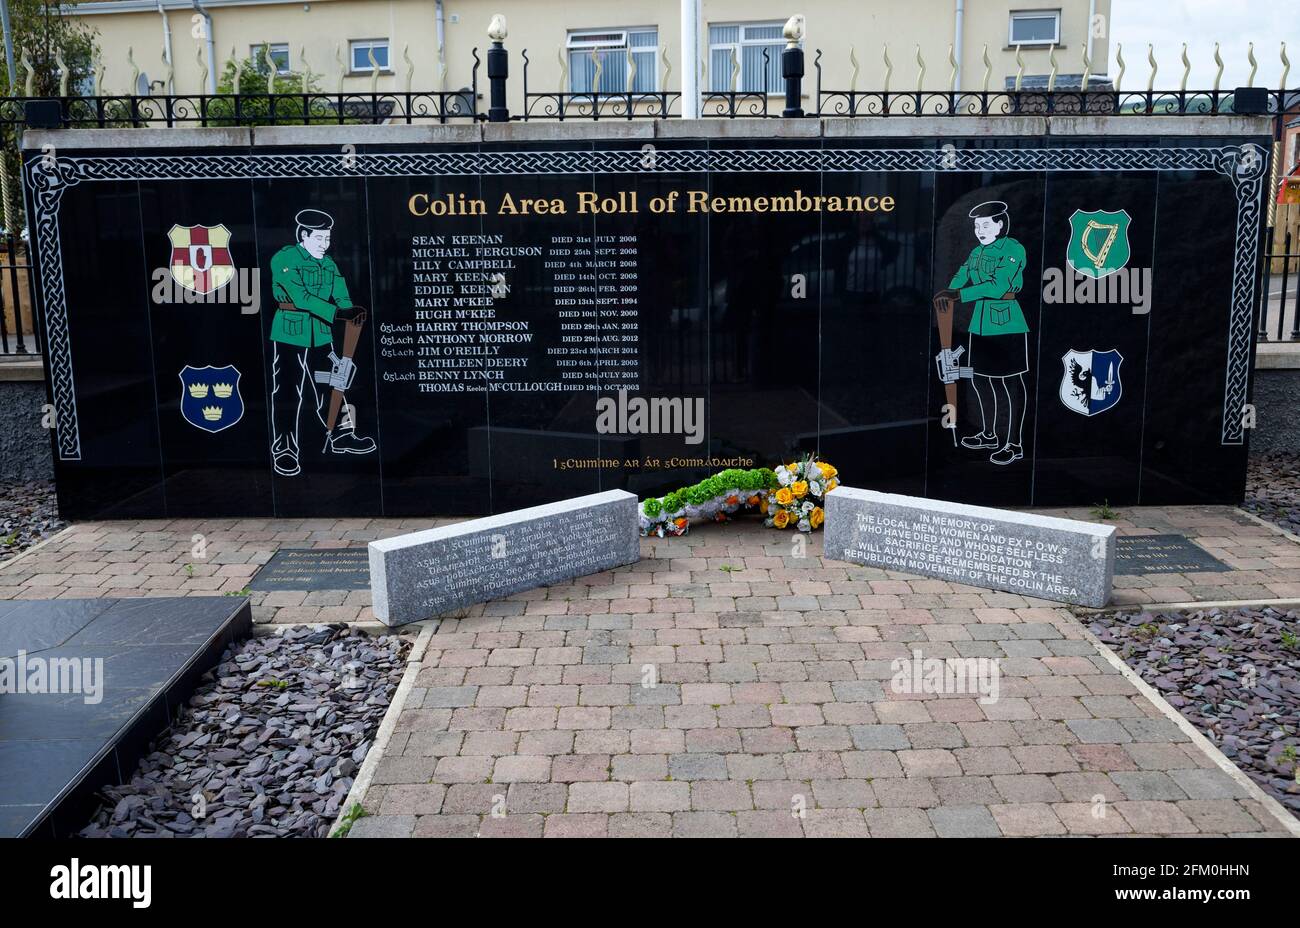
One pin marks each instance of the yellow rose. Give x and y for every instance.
(781, 519)
(784, 496)
(800, 488)
(832, 485)
(816, 517)
(826, 469)
(762, 507)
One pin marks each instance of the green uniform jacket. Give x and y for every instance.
(991, 272)
(315, 287)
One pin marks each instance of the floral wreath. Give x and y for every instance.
(791, 496)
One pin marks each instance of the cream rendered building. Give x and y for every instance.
(339, 39)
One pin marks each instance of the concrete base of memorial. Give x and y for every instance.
(1019, 552)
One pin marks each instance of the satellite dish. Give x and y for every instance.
(142, 85)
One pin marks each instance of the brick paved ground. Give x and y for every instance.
(774, 688)
(775, 692)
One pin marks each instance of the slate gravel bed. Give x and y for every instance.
(1273, 489)
(29, 514)
(1233, 674)
(269, 744)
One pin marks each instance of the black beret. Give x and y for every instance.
(988, 210)
(314, 219)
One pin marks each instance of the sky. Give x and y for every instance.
(1167, 24)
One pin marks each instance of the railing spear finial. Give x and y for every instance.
(668, 67)
(169, 74)
(1087, 70)
(988, 69)
(853, 77)
(920, 75)
(564, 67)
(1051, 75)
(203, 68)
(99, 78)
(1254, 65)
(631, 72)
(338, 59)
(1286, 68)
(234, 60)
(374, 70)
(130, 59)
(952, 76)
(306, 69)
(1119, 60)
(889, 68)
(1187, 69)
(1020, 69)
(599, 67)
(271, 67)
(735, 70)
(63, 72)
(410, 66)
(1218, 75)
(1151, 59)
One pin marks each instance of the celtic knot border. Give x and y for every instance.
(49, 177)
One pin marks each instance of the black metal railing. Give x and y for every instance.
(1279, 305)
(19, 331)
(643, 104)
(244, 109)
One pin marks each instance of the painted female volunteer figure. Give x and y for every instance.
(998, 351)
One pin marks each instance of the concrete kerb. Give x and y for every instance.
(1275, 808)
(361, 785)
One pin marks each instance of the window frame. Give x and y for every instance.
(740, 44)
(1013, 15)
(255, 51)
(626, 47)
(354, 44)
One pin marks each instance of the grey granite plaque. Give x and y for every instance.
(423, 574)
(314, 569)
(1019, 552)
(1164, 554)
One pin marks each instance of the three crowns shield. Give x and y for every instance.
(1098, 241)
(210, 397)
(201, 259)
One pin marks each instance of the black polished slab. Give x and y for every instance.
(57, 749)
(1164, 554)
(501, 314)
(314, 569)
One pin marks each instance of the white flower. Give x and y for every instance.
(783, 477)
(805, 525)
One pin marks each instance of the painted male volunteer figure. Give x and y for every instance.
(311, 296)
(998, 351)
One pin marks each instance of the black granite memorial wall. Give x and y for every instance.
(514, 307)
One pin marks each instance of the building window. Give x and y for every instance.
(1035, 27)
(746, 42)
(618, 52)
(279, 54)
(360, 51)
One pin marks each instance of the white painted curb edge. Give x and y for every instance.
(361, 784)
(1279, 812)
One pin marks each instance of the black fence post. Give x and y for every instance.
(498, 69)
(792, 68)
